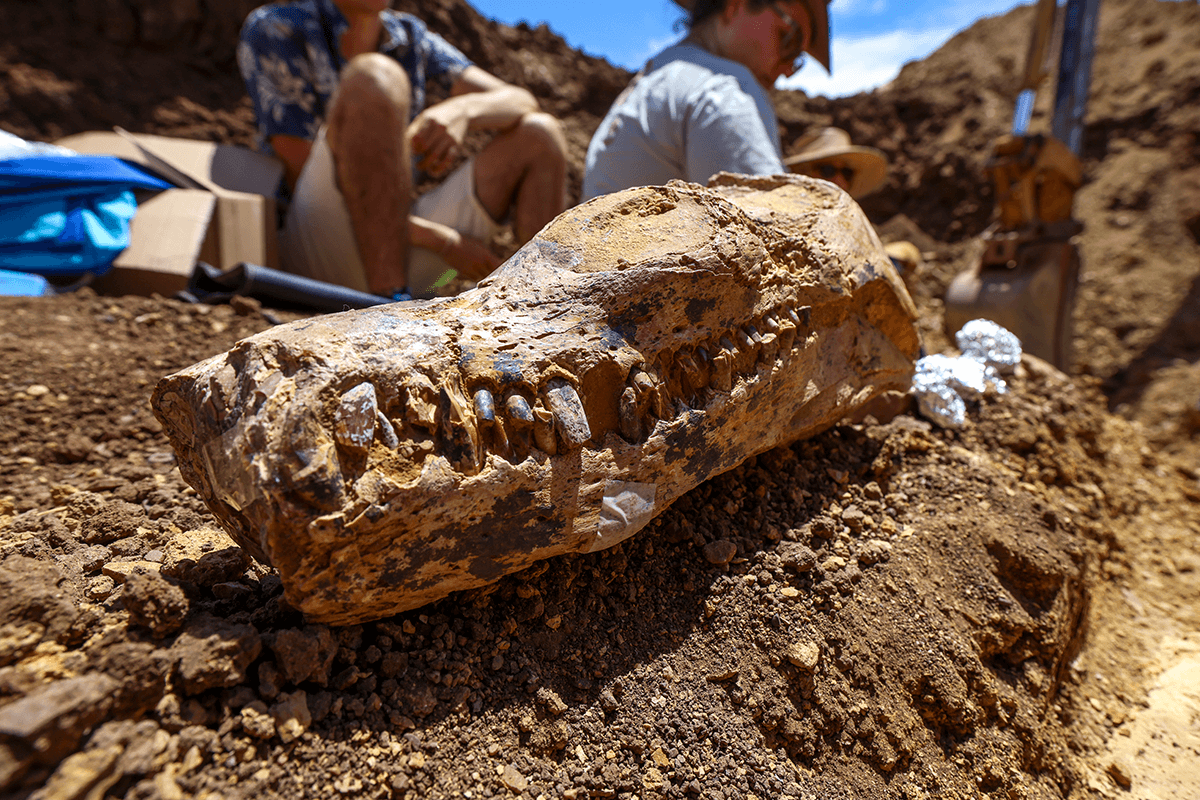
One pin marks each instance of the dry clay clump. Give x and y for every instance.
(640, 344)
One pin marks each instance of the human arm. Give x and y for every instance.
(470, 257)
(478, 101)
(293, 152)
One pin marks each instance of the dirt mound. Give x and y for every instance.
(888, 610)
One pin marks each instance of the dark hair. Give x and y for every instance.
(703, 9)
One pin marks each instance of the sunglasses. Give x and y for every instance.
(793, 42)
(828, 171)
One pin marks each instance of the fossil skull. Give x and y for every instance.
(640, 344)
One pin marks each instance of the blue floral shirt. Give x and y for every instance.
(290, 59)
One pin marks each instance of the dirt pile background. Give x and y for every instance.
(888, 610)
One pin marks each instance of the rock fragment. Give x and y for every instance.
(304, 654)
(720, 552)
(291, 715)
(114, 521)
(511, 777)
(121, 571)
(48, 723)
(220, 566)
(804, 654)
(257, 721)
(213, 652)
(34, 607)
(80, 773)
(796, 557)
(874, 551)
(154, 603)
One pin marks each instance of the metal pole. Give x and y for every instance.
(1075, 72)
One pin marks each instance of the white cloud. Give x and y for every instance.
(840, 8)
(651, 47)
(861, 64)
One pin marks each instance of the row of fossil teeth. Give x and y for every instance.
(468, 425)
(688, 377)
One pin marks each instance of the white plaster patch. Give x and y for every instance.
(625, 509)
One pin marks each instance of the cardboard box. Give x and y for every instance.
(223, 213)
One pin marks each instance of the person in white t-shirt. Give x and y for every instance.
(701, 106)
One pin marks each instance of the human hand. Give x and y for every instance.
(470, 257)
(436, 137)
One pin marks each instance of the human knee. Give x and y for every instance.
(543, 135)
(373, 77)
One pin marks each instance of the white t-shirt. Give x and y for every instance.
(688, 115)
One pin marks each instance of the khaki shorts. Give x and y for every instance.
(317, 239)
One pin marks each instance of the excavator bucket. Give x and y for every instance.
(1026, 286)
(1027, 275)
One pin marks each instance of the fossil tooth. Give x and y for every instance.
(354, 420)
(787, 337)
(643, 382)
(491, 427)
(519, 412)
(651, 396)
(311, 470)
(722, 371)
(224, 384)
(485, 406)
(543, 430)
(570, 420)
(460, 435)
(634, 405)
(387, 431)
(422, 404)
(605, 442)
(754, 335)
(770, 344)
(660, 401)
(693, 374)
(690, 368)
(518, 426)
(629, 416)
(746, 355)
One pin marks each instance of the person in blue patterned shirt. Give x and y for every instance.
(339, 89)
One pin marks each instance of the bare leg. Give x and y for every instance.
(525, 169)
(365, 131)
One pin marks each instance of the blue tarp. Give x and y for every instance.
(63, 215)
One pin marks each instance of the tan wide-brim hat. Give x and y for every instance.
(818, 48)
(870, 165)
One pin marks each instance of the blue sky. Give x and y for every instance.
(872, 39)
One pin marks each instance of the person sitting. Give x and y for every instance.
(828, 154)
(339, 90)
(701, 106)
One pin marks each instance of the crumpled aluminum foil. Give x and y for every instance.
(941, 382)
(984, 340)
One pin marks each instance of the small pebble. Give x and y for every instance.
(804, 654)
(720, 552)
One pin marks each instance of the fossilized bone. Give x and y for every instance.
(640, 344)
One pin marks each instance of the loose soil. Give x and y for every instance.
(890, 609)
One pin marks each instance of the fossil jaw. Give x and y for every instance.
(642, 343)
